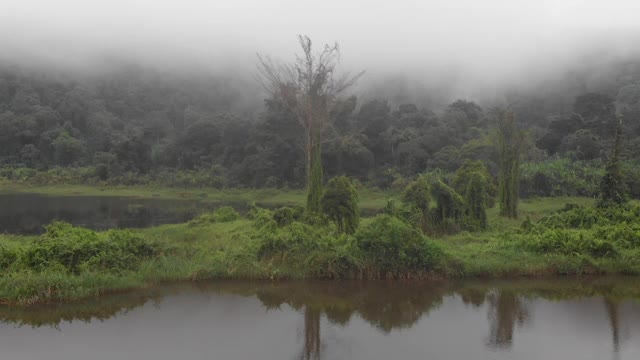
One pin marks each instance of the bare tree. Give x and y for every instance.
(308, 87)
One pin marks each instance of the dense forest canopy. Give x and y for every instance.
(135, 121)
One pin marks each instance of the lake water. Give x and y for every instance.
(585, 319)
(28, 213)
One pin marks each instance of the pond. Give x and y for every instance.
(531, 319)
(28, 213)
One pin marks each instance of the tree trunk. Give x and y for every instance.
(314, 179)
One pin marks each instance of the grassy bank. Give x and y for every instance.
(68, 263)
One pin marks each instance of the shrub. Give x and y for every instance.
(393, 246)
(283, 216)
(76, 249)
(221, 215)
(262, 219)
(292, 238)
(570, 243)
(7, 257)
(340, 204)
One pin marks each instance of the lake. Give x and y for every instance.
(586, 319)
(28, 213)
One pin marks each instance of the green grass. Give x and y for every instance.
(232, 250)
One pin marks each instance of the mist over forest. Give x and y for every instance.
(145, 143)
(140, 101)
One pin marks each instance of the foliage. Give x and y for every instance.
(561, 177)
(120, 129)
(393, 246)
(510, 141)
(593, 231)
(312, 249)
(449, 206)
(475, 201)
(222, 214)
(612, 189)
(417, 196)
(283, 216)
(340, 204)
(77, 250)
(463, 174)
(573, 240)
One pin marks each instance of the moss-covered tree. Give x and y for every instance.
(449, 204)
(309, 87)
(340, 203)
(510, 142)
(475, 201)
(461, 178)
(612, 188)
(417, 195)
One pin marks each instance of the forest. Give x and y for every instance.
(136, 125)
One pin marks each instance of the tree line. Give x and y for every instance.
(140, 123)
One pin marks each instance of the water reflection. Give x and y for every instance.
(612, 313)
(426, 311)
(311, 347)
(506, 310)
(28, 213)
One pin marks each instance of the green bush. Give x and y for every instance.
(292, 238)
(393, 246)
(579, 230)
(74, 249)
(340, 204)
(8, 257)
(221, 215)
(262, 219)
(571, 243)
(283, 216)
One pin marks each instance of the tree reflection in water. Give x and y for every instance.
(311, 348)
(386, 306)
(611, 306)
(506, 310)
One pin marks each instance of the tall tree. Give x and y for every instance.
(510, 142)
(309, 88)
(612, 191)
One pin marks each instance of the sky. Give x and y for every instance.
(488, 41)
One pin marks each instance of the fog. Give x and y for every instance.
(461, 48)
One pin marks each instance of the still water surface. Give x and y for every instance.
(583, 319)
(28, 213)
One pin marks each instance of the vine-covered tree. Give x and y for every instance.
(417, 195)
(510, 142)
(449, 204)
(340, 203)
(309, 88)
(612, 188)
(475, 201)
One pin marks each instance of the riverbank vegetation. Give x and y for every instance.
(556, 236)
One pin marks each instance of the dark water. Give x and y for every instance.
(563, 319)
(28, 213)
